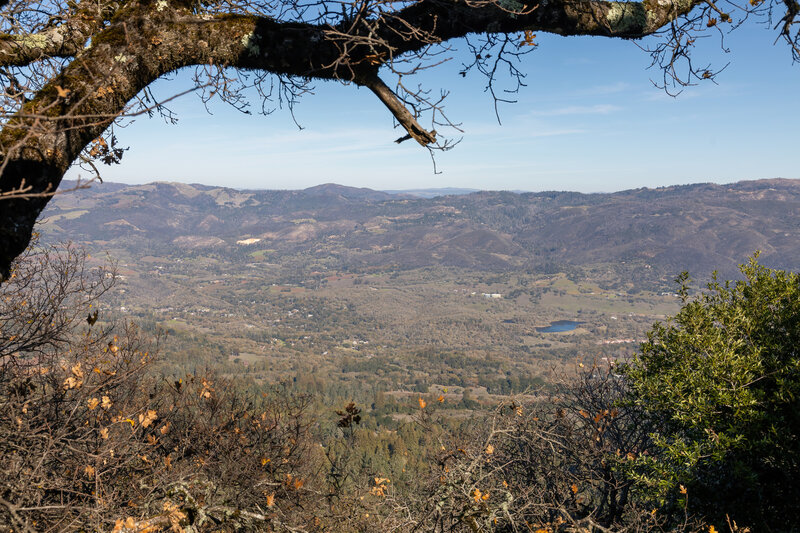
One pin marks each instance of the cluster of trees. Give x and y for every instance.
(698, 431)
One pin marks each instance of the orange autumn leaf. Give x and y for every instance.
(76, 380)
(147, 418)
(207, 389)
(528, 40)
(103, 91)
(375, 59)
(127, 524)
(270, 499)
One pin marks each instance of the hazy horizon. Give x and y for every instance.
(68, 183)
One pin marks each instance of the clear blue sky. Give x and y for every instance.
(589, 120)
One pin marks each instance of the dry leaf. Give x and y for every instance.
(102, 91)
(147, 418)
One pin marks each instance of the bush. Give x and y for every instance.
(720, 382)
(543, 463)
(92, 440)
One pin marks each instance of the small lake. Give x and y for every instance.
(559, 326)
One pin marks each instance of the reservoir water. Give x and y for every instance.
(559, 326)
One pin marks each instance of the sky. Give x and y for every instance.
(589, 119)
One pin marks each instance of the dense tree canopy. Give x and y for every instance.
(71, 69)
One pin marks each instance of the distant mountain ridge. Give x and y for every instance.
(697, 227)
(434, 192)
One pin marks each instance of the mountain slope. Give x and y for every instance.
(696, 227)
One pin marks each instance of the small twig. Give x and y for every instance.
(23, 191)
(12, 510)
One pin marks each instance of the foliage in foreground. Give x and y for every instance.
(699, 429)
(721, 383)
(91, 440)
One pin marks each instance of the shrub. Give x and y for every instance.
(543, 463)
(720, 382)
(91, 439)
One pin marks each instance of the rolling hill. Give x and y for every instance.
(696, 227)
